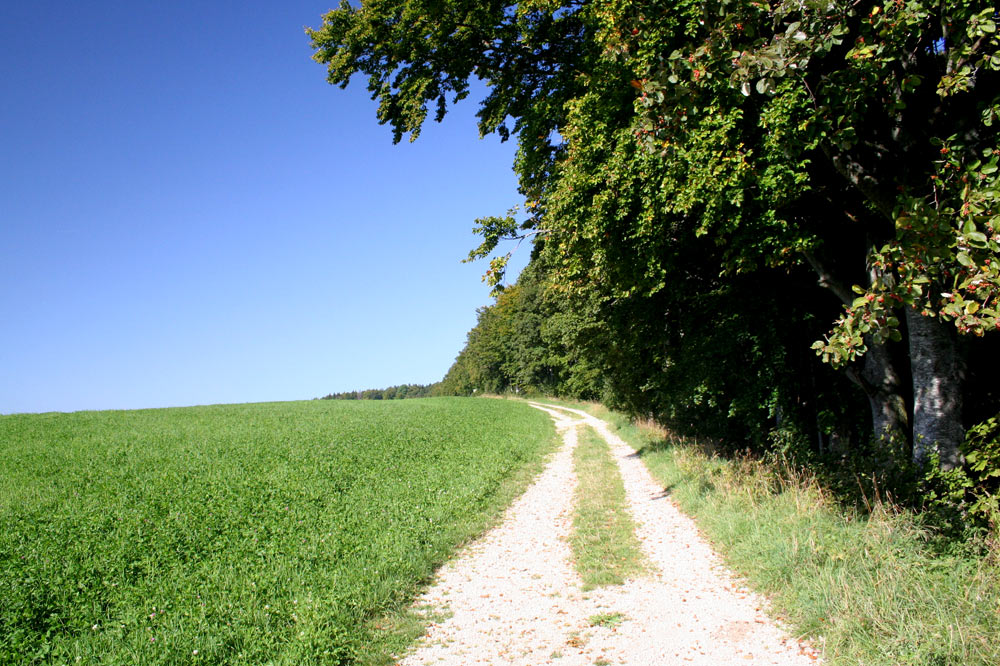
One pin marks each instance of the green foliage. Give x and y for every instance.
(965, 501)
(528, 342)
(245, 534)
(894, 100)
(494, 230)
(982, 458)
(417, 53)
(941, 263)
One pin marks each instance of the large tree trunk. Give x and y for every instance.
(881, 384)
(937, 390)
(877, 378)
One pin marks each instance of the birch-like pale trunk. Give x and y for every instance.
(937, 390)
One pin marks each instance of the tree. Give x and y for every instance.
(896, 101)
(697, 152)
(417, 53)
(524, 343)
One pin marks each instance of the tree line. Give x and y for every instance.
(775, 224)
(391, 393)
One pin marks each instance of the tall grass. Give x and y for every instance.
(868, 587)
(244, 534)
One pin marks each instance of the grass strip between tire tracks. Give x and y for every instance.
(605, 548)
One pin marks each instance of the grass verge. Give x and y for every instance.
(605, 548)
(868, 588)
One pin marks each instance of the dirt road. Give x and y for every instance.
(513, 597)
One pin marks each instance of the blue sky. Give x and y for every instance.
(190, 214)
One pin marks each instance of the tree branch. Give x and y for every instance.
(858, 176)
(826, 279)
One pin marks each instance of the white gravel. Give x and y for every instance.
(513, 597)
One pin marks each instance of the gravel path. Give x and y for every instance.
(513, 597)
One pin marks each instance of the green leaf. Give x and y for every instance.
(964, 259)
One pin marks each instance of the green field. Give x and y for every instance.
(262, 533)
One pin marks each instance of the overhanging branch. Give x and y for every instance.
(826, 279)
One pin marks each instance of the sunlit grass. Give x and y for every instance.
(242, 534)
(868, 588)
(606, 550)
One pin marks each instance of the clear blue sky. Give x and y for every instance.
(190, 214)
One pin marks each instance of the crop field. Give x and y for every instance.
(262, 533)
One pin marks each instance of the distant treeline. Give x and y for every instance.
(391, 393)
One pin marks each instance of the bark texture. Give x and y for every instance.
(937, 390)
(881, 385)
